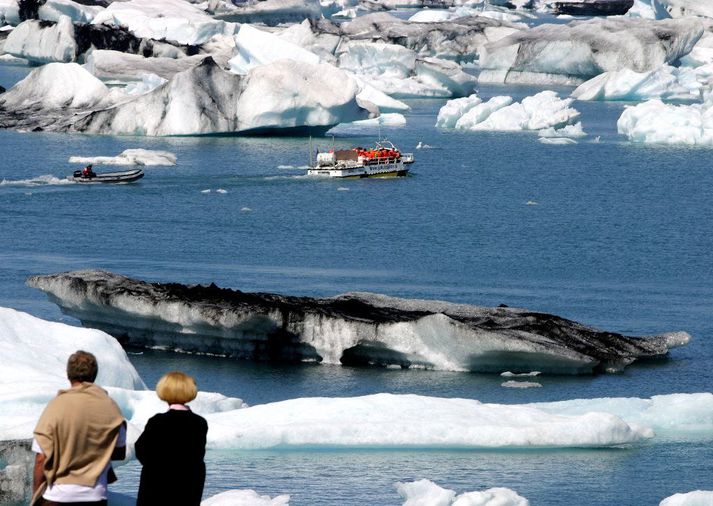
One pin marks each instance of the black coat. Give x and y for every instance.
(171, 450)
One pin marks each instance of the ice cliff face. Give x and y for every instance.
(570, 54)
(348, 329)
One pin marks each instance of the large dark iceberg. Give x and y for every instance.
(351, 329)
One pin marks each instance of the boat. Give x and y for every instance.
(383, 160)
(127, 176)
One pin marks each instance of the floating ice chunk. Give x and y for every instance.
(508, 374)
(52, 10)
(389, 119)
(245, 498)
(560, 141)
(656, 122)
(172, 20)
(256, 47)
(696, 498)
(206, 191)
(666, 83)
(343, 189)
(687, 8)
(572, 131)
(454, 109)
(520, 384)
(422, 145)
(648, 9)
(580, 50)
(427, 493)
(540, 111)
(411, 421)
(532, 203)
(245, 210)
(221, 190)
(134, 156)
(270, 12)
(56, 86)
(376, 59)
(38, 43)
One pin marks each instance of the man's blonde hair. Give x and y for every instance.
(176, 388)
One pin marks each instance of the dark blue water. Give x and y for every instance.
(608, 233)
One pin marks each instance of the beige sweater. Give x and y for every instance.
(77, 433)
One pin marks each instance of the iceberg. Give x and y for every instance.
(352, 329)
(573, 53)
(687, 8)
(544, 110)
(55, 86)
(171, 20)
(112, 65)
(36, 42)
(137, 156)
(427, 493)
(696, 498)
(655, 122)
(665, 83)
(256, 47)
(52, 10)
(270, 12)
(458, 39)
(283, 96)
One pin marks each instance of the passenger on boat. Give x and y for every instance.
(88, 172)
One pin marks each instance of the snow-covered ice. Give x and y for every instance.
(655, 122)
(52, 10)
(117, 66)
(136, 156)
(426, 493)
(541, 111)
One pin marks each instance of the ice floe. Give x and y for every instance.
(134, 156)
(541, 111)
(580, 50)
(521, 384)
(52, 10)
(427, 493)
(353, 328)
(695, 498)
(666, 83)
(655, 122)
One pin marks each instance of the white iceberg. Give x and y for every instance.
(34, 41)
(171, 20)
(206, 100)
(388, 119)
(656, 122)
(137, 156)
(580, 50)
(245, 498)
(540, 111)
(52, 10)
(569, 131)
(56, 86)
(695, 498)
(427, 493)
(521, 384)
(256, 47)
(269, 12)
(665, 83)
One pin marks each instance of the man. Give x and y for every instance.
(80, 431)
(88, 172)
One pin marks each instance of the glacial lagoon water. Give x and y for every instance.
(615, 235)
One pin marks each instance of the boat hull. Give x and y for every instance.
(128, 176)
(360, 172)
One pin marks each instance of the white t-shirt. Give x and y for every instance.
(69, 492)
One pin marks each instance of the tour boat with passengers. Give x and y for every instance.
(383, 160)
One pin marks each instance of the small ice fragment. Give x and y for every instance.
(205, 191)
(220, 190)
(342, 189)
(533, 203)
(245, 210)
(521, 384)
(508, 374)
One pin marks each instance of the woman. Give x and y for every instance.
(172, 447)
